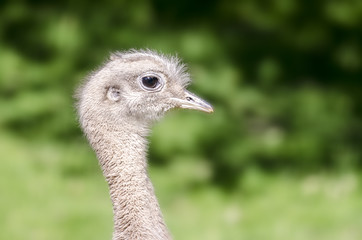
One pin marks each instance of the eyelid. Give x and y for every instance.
(161, 81)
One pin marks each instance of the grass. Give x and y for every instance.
(55, 191)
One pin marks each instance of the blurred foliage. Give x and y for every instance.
(284, 77)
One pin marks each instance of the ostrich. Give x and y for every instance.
(117, 105)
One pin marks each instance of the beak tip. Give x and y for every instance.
(211, 110)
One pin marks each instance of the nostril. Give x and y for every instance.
(189, 99)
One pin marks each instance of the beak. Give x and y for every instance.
(191, 101)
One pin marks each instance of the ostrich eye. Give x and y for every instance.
(150, 81)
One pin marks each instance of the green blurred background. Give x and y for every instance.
(279, 159)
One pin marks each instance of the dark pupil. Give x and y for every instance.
(150, 81)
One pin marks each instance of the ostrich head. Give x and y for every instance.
(136, 86)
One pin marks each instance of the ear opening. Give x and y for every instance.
(114, 93)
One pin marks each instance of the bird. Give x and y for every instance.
(117, 106)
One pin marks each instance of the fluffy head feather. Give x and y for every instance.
(173, 64)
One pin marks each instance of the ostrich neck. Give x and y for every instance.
(121, 152)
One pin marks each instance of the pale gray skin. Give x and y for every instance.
(116, 112)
